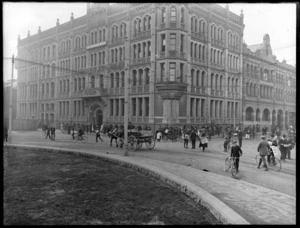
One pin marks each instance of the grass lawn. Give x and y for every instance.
(43, 188)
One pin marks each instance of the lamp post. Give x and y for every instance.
(10, 101)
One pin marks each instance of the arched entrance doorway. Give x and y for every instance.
(98, 118)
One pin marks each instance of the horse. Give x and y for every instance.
(115, 135)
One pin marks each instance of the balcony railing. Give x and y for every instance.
(142, 34)
(116, 91)
(198, 90)
(198, 61)
(117, 41)
(139, 89)
(140, 60)
(218, 43)
(199, 36)
(233, 48)
(92, 92)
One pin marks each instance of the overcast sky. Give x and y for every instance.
(278, 20)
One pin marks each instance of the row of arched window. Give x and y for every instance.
(117, 54)
(198, 50)
(47, 107)
(141, 50)
(250, 115)
(48, 89)
(97, 36)
(198, 25)
(216, 56)
(64, 66)
(64, 86)
(233, 61)
(80, 41)
(80, 62)
(65, 46)
(141, 24)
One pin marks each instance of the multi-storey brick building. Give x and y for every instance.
(269, 87)
(183, 63)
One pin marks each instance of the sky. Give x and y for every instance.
(278, 20)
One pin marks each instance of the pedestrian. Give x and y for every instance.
(226, 141)
(5, 133)
(240, 137)
(158, 136)
(263, 149)
(186, 138)
(98, 135)
(73, 132)
(52, 133)
(203, 141)
(48, 132)
(282, 147)
(236, 152)
(289, 147)
(193, 139)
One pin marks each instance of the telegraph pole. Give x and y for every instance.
(10, 102)
(126, 97)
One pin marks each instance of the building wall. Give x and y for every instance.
(88, 60)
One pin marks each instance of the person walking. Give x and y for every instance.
(240, 137)
(236, 152)
(48, 132)
(158, 135)
(193, 139)
(52, 133)
(289, 146)
(186, 138)
(98, 135)
(203, 141)
(263, 149)
(5, 134)
(282, 147)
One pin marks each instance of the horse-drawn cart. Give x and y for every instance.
(135, 139)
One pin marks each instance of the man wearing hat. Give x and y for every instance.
(236, 152)
(263, 149)
(282, 147)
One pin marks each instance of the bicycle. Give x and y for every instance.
(230, 163)
(274, 163)
(228, 147)
(82, 138)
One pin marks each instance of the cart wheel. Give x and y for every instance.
(150, 143)
(132, 143)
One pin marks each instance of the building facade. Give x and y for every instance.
(183, 63)
(269, 87)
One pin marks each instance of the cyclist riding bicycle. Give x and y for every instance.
(236, 152)
(80, 133)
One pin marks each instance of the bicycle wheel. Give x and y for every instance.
(257, 157)
(84, 138)
(233, 169)
(276, 165)
(227, 164)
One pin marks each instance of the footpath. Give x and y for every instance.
(231, 200)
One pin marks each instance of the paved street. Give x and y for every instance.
(279, 187)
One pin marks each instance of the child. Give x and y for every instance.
(186, 140)
(203, 141)
(236, 152)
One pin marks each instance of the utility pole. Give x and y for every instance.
(126, 97)
(10, 102)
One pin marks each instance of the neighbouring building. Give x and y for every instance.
(183, 62)
(269, 87)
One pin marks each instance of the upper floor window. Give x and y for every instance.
(163, 42)
(164, 14)
(172, 42)
(172, 71)
(173, 14)
(182, 15)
